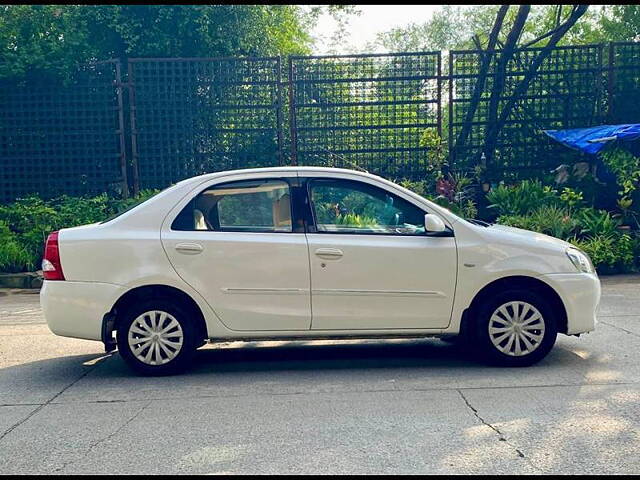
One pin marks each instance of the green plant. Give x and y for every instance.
(626, 168)
(13, 256)
(608, 253)
(521, 199)
(437, 152)
(548, 219)
(355, 220)
(571, 198)
(597, 222)
(25, 223)
(420, 187)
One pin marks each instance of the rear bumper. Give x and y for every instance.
(76, 309)
(580, 293)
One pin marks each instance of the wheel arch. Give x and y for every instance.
(511, 283)
(146, 292)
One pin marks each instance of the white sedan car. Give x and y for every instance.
(308, 253)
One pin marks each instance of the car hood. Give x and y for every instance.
(521, 236)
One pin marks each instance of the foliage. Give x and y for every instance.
(620, 23)
(453, 27)
(609, 253)
(522, 198)
(355, 220)
(53, 39)
(424, 188)
(13, 256)
(25, 223)
(441, 32)
(597, 222)
(626, 167)
(465, 209)
(571, 198)
(533, 206)
(549, 219)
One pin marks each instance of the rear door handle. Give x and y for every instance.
(189, 248)
(329, 253)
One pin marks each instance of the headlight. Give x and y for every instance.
(580, 260)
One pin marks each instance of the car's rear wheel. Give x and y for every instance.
(516, 328)
(156, 337)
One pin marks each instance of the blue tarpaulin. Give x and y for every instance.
(593, 139)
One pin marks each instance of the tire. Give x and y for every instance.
(516, 339)
(167, 352)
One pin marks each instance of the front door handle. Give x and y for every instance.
(189, 248)
(329, 253)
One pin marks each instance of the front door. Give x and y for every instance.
(236, 244)
(372, 264)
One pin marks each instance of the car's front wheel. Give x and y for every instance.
(156, 337)
(516, 328)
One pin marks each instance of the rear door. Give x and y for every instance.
(238, 245)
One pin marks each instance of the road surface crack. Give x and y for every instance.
(108, 437)
(619, 328)
(501, 436)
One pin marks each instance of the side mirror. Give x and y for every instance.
(433, 224)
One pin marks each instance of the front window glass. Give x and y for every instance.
(345, 206)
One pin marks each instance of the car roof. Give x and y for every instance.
(289, 169)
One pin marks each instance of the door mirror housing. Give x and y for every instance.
(433, 224)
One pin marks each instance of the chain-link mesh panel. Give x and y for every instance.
(57, 139)
(565, 93)
(365, 111)
(624, 83)
(194, 116)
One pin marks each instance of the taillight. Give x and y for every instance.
(51, 266)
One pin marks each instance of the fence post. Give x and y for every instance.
(292, 116)
(439, 117)
(610, 81)
(279, 119)
(123, 148)
(452, 157)
(132, 117)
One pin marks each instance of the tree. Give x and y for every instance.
(620, 23)
(54, 39)
(498, 113)
(454, 27)
(441, 32)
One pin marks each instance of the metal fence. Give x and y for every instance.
(624, 83)
(158, 121)
(367, 111)
(195, 115)
(566, 93)
(57, 139)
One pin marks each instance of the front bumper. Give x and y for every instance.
(580, 293)
(76, 309)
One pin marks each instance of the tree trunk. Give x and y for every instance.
(482, 76)
(499, 81)
(523, 86)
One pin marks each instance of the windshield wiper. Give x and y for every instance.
(475, 221)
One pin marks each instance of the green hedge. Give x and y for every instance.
(25, 224)
(612, 246)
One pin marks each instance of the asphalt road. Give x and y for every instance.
(414, 406)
